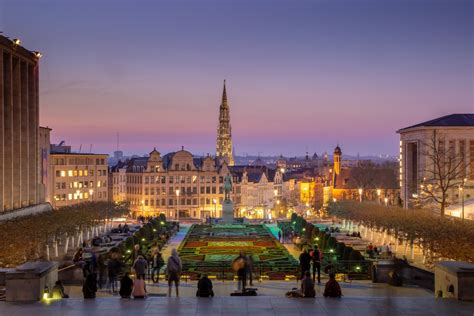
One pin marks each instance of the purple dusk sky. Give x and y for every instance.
(300, 74)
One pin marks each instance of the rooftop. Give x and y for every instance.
(452, 120)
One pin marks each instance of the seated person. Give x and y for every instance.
(307, 288)
(139, 290)
(58, 291)
(332, 288)
(204, 287)
(126, 286)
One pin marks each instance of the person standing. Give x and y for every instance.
(102, 270)
(90, 286)
(158, 263)
(174, 268)
(305, 263)
(140, 265)
(112, 272)
(316, 261)
(249, 268)
(240, 265)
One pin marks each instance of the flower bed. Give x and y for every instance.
(210, 249)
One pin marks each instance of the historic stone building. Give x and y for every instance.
(77, 177)
(19, 123)
(452, 137)
(224, 149)
(176, 184)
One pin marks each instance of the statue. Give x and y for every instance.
(227, 187)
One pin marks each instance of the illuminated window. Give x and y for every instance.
(80, 173)
(86, 195)
(69, 173)
(75, 184)
(75, 173)
(63, 173)
(85, 173)
(69, 196)
(99, 183)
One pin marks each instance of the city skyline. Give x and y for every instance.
(347, 73)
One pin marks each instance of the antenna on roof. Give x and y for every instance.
(118, 141)
(80, 148)
(90, 149)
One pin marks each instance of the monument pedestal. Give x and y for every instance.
(228, 212)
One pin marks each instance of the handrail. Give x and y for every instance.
(65, 268)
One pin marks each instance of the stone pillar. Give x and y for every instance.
(24, 135)
(33, 132)
(2, 115)
(16, 176)
(7, 133)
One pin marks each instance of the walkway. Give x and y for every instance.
(229, 306)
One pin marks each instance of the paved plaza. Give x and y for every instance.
(259, 306)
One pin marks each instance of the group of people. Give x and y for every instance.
(374, 251)
(310, 260)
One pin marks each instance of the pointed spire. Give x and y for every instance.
(224, 96)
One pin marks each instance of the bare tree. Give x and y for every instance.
(444, 171)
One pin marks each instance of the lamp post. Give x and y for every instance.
(91, 192)
(177, 205)
(215, 207)
(360, 195)
(386, 201)
(378, 195)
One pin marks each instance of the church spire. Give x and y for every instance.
(224, 96)
(224, 132)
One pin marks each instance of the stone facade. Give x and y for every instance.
(182, 186)
(77, 178)
(19, 69)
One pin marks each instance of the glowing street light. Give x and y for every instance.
(360, 194)
(177, 204)
(386, 201)
(334, 200)
(16, 41)
(215, 207)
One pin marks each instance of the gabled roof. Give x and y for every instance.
(446, 121)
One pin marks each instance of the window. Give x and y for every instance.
(58, 185)
(171, 178)
(80, 173)
(63, 173)
(208, 190)
(146, 191)
(99, 183)
(75, 173)
(213, 179)
(58, 173)
(85, 173)
(170, 202)
(213, 190)
(202, 190)
(69, 196)
(69, 173)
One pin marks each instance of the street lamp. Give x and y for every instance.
(177, 205)
(215, 207)
(386, 201)
(91, 192)
(360, 194)
(334, 200)
(378, 194)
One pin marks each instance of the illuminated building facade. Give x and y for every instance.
(77, 178)
(454, 136)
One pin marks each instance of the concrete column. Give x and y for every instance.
(2, 184)
(24, 134)
(33, 132)
(16, 97)
(7, 133)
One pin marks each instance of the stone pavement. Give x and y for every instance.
(229, 306)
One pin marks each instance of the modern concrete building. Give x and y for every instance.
(452, 137)
(20, 181)
(77, 177)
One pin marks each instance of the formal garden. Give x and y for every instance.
(48, 234)
(439, 237)
(211, 248)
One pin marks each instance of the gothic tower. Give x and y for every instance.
(337, 160)
(224, 132)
